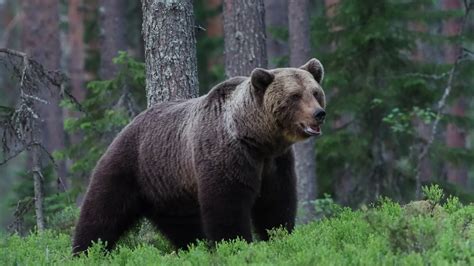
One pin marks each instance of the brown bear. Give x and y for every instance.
(209, 167)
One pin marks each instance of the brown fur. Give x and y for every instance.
(206, 167)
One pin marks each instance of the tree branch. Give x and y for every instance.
(23, 128)
(441, 103)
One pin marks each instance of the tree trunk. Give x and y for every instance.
(276, 17)
(305, 154)
(38, 181)
(112, 35)
(455, 136)
(215, 33)
(423, 130)
(215, 29)
(75, 57)
(41, 42)
(214, 24)
(244, 37)
(299, 32)
(170, 50)
(76, 49)
(7, 21)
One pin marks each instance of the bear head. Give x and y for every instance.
(292, 98)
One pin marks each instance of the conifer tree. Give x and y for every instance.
(381, 89)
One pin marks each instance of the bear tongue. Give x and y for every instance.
(313, 130)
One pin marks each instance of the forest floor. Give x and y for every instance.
(430, 232)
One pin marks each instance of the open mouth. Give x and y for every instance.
(313, 130)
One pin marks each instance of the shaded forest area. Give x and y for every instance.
(399, 84)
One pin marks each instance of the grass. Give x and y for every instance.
(420, 233)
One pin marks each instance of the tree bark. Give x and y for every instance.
(170, 50)
(5, 23)
(41, 42)
(112, 35)
(276, 17)
(41, 31)
(214, 32)
(244, 37)
(214, 24)
(305, 153)
(40, 38)
(76, 49)
(423, 130)
(299, 32)
(455, 136)
(38, 183)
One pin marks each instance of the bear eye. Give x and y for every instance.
(315, 94)
(295, 96)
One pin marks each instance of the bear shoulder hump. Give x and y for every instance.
(221, 90)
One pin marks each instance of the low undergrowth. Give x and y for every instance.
(433, 231)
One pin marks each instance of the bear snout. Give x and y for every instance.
(319, 115)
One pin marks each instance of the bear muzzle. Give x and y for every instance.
(312, 130)
(319, 115)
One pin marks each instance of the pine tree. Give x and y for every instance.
(374, 82)
(244, 37)
(112, 34)
(305, 153)
(41, 42)
(170, 50)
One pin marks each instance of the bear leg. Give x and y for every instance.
(107, 213)
(266, 217)
(226, 212)
(181, 231)
(276, 205)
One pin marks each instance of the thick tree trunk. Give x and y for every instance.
(244, 37)
(276, 17)
(299, 32)
(112, 35)
(305, 153)
(455, 136)
(41, 41)
(170, 50)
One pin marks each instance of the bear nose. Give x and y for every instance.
(319, 115)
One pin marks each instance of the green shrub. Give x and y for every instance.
(419, 233)
(433, 193)
(326, 207)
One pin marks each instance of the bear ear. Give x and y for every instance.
(316, 69)
(261, 78)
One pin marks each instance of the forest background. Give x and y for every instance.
(399, 84)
